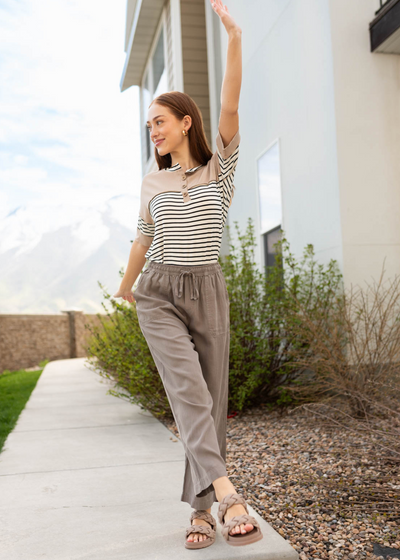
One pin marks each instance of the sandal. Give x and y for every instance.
(240, 539)
(205, 529)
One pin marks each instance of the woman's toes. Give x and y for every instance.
(243, 528)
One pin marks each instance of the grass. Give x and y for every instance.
(15, 389)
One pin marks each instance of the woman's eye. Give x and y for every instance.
(148, 127)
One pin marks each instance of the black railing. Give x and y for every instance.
(382, 4)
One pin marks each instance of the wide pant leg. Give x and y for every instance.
(183, 312)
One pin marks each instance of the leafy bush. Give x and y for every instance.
(297, 337)
(263, 314)
(118, 350)
(265, 338)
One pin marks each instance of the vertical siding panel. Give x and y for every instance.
(194, 54)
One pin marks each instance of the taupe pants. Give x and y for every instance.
(183, 313)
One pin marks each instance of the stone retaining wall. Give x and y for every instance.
(26, 340)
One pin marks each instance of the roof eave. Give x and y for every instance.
(144, 24)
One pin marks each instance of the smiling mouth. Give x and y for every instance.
(159, 142)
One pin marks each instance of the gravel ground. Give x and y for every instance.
(320, 487)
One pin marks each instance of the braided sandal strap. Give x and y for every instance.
(228, 501)
(200, 529)
(236, 521)
(203, 514)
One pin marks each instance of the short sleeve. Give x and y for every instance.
(228, 155)
(145, 224)
(227, 161)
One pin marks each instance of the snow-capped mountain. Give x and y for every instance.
(51, 258)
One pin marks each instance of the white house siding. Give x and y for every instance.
(287, 94)
(367, 107)
(310, 80)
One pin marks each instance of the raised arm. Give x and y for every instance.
(230, 93)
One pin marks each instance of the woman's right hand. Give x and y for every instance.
(127, 295)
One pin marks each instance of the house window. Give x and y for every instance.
(270, 201)
(155, 82)
(159, 69)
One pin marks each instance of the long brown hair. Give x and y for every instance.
(181, 104)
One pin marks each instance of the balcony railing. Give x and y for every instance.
(382, 4)
(385, 28)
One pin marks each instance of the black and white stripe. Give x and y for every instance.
(227, 173)
(190, 232)
(146, 229)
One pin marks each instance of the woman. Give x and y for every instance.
(182, 301)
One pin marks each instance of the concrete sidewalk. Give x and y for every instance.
(86, 475)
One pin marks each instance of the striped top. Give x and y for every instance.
(183, 213)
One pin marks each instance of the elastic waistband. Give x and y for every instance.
(198, 269)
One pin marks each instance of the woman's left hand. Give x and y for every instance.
(222, 11)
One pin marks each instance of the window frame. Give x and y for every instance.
(268, 258)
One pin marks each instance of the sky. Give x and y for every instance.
(67, 133)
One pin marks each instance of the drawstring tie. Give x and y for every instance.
(179, 289)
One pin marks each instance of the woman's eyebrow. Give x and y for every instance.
(155, 118)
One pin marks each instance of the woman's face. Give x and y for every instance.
(163, 125)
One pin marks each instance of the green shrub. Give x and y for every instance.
(265, 339)
(263, 315)
(118, 350)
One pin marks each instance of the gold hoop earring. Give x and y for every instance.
(184, 132)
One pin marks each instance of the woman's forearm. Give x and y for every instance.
(136, 263)
(232, 82)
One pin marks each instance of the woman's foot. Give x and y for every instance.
(198, 537)
(224, 486)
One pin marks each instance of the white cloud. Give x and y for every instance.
(4, 204)
(67, 133)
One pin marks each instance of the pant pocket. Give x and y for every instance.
(152, 295)
(141, 298)
(142, 275)
(217, 304)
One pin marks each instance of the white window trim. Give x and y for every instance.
(176, 37)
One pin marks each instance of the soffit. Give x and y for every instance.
(144, 24)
